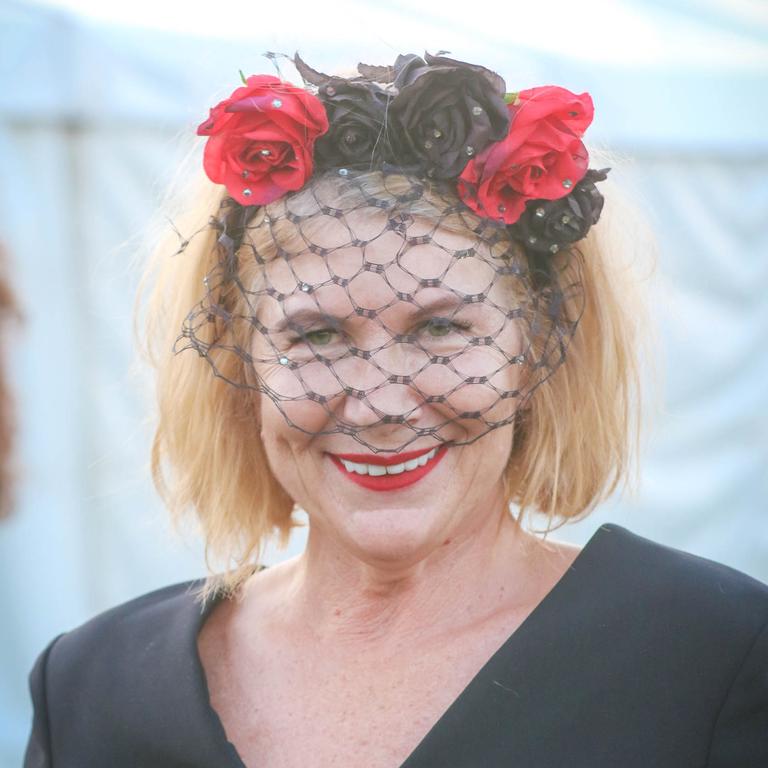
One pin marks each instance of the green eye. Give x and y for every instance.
(438, 327)
(320, 337)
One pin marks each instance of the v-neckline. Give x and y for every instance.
(578, 564)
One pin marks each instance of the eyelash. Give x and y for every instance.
(462, 325)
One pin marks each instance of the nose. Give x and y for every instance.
(389, 403)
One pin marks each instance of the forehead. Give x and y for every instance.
(371, 257)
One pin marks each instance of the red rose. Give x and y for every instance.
(541, 158)
(261, 139)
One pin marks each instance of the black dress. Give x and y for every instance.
(640, 657)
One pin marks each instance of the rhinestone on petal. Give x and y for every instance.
(540, 212)
(330, 91)
(276, 103)
(284, 361)
(247, 192)
(477, 111)
(533, 239)
(554, 248)
(437, 133)
(470, 150)
(565, 218)
(343, 172)
(427, 144)
(305, 287)
(502, 208)
(245, 174)
(264, 152)
(567, 183)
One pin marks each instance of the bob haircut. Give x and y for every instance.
(573, 442)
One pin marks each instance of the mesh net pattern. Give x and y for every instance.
(370, 299)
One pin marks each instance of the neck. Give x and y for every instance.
(339, 598)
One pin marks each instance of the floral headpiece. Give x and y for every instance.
(517, 158)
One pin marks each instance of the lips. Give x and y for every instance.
(368, 470)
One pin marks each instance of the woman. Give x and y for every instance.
(406, 323)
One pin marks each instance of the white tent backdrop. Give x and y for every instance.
(91, 117)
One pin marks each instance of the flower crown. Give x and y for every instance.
(517, 158)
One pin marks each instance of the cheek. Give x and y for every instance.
(286, 412)
(291, 407)
(483, 383)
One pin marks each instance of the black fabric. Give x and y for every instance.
(640, 656)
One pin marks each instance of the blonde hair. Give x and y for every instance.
(573, 442)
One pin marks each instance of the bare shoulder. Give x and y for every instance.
(230, 632)
(558, 555)
(549, 560)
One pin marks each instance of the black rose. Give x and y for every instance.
(546, 226)
(444, 112)
(356, 136)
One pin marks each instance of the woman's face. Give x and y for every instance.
(377, 342)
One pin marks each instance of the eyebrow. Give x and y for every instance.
(294, 319)
(308, 315)
(451, 302)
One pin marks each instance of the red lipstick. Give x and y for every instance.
(387, 482)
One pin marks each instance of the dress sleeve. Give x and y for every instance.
(740, 737)
(38, 754)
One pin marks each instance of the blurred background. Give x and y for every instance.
(97, 104)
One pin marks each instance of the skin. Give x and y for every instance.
(389, 580)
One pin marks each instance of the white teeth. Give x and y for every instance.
(377, 470)
(426, 457)
(351, 466)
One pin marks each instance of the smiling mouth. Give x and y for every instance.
(380, 474)
(377, 470)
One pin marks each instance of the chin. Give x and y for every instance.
(396, 534)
